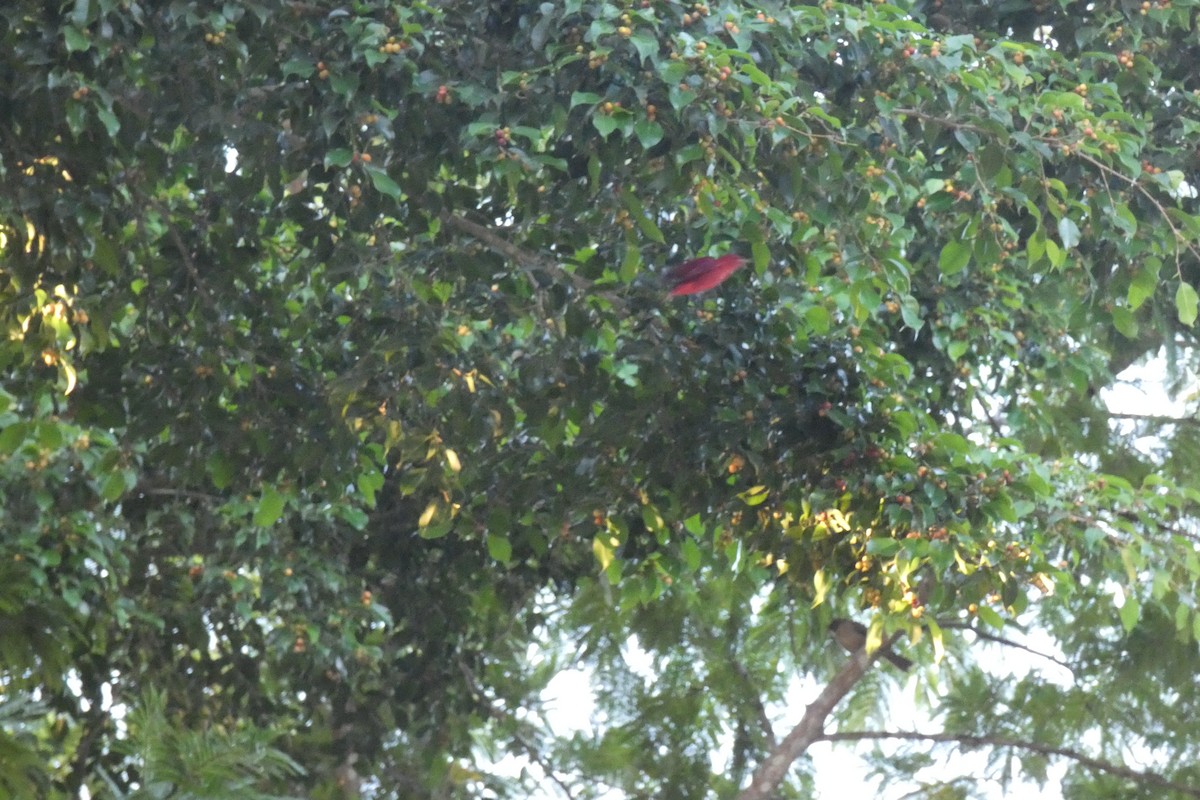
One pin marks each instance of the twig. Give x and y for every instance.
(1157, 419)
(177, 239)
(1120, 770)
(1144, 192)
(952, 124)
(1181, 241)
(499, 714)
(526, 259)
(991, 637)
(185, 493)
(760, 711)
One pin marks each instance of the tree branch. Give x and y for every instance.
(1180, 240)
(494, 712)
(1120, 770)
(526, 259)
(991, 637)
(1157, 419)
(189, 494)
(774, 767)
(756, 704)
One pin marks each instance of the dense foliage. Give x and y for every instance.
(343, 406)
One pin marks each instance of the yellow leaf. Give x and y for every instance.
(69, 372)
(939, 646)
(427, 514)
(452, 460)
(754, 496)
(602, 550)
(874, 635)
(821, 587)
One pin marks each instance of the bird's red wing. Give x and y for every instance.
(703, 274)
(690, 269)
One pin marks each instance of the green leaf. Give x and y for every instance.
(77, 41)
(652, 519)
(346, 83)
(105, 256)
(270, 507)
(584, 98)
(303, 67)
(1068, 233)
(1055, 254)
(383, 183)
(1035, 247)
(631, 265)
(499, 548)
(910, 312)
(626, 372)
(593, 168)
(339, 157)
(954, 257)
(649, 132)
(967, 138)
(12, 437)
(645, 43)
(114, 487)
(1124, 219)
(988, 616)
(112, 126)
(354, 516)
(1125, 322)
(649, 229)
(680, 97)
(818, 319)
(990, 160)
(882, 546)
(1186, 302)
(369, 482)
(1144, 283)
(1129, 612)
(220, 470)
(605, 124)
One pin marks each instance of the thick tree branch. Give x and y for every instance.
(1120, 770)
(774, 767)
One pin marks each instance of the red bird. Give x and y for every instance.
(702, 274)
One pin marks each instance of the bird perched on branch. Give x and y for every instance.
(852, 636)
(702, 274)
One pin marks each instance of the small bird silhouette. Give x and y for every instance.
(852, 636)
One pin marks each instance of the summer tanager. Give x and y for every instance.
(702, 274)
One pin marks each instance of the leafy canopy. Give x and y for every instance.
(343, 405)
